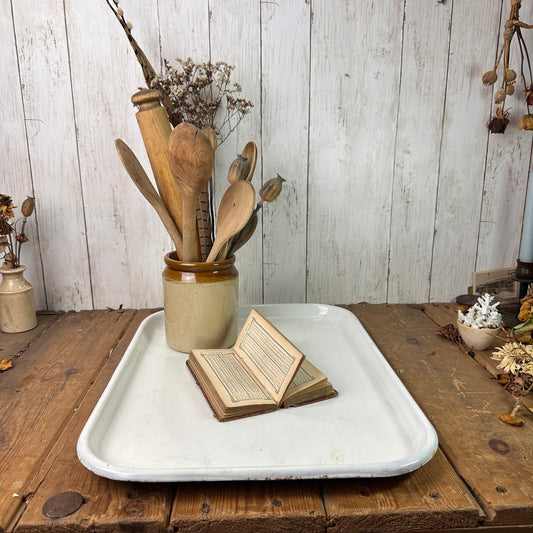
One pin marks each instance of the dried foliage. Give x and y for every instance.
(200, 92)
(9, 237)
(450, 332)
(513, 27)
(516, 360)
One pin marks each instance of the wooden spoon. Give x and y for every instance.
(235, 209)
(250, 153)
(190, 156)
(143, 183)
(239, 240)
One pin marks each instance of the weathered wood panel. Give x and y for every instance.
(416, 169)
(235, 38)
(15, 172)
(47, 395)
(355, 67)
(51, 133)
(493, 458)
(126, 240)
(285, 113)
(375, 113)
(464, 147)
(506, 173)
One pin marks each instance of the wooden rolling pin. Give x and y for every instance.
(155, 130)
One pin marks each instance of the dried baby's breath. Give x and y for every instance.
(203, 94)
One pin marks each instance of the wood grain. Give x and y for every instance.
(463, 150)
(229, 21)
(375, 114)
(137, 506)
(123, 231)
(285, 93)
(464, 403)
(15, 172)
(431, 497)
(70, 356)
(350, 177)
(248, 507)
(426, 33)
(43, 59)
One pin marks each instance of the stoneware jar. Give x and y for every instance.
(478, 338)
(17, 304)
(200, 303)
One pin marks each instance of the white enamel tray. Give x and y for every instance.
(152, 422)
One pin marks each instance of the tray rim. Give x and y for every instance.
(404, 465)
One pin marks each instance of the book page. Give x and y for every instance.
(307, 375)
(273, 358)
(231, 377)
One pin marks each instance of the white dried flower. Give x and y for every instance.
(483, 314)
(514, 357)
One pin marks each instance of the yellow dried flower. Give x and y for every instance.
(526, 123)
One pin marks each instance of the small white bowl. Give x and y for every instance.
(477, 339)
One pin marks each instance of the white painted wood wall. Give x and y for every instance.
(374, 112)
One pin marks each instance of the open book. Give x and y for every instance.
(263, 371)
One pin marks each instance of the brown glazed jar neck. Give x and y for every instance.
(199, 272)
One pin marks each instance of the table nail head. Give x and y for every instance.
(63, 504)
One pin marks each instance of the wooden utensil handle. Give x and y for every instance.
(189, 232)
(155, 130)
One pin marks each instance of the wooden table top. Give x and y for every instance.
(481, 477)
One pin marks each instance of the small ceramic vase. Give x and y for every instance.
(478, 338)
(17, 304)
(200, 303)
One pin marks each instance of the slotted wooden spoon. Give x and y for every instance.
(190, 156)
(234, 211)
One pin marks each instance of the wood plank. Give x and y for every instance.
(463, 403)
(506, 173)
(285, 93)
(69, 356)
(14, 346)
(43, 57)
(426, 33)
(356, 51)
(15, 173)
(464, 147)
(235, 37)
(125, 236)
(248, 507)
(432, 497)
(108, 505)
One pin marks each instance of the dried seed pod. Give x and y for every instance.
(27, 206)
(526, 123)
(490, 77)
(498, 123)
(509, 89)
(237, 169)
(529, 97)
(271, 189)
(499, 96)
(510, 75)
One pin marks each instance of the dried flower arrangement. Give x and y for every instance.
(195, 92)
(483, 314)
(516, 360)
(10, 239)
(198, 92)
(513, 26)
(203, 95)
